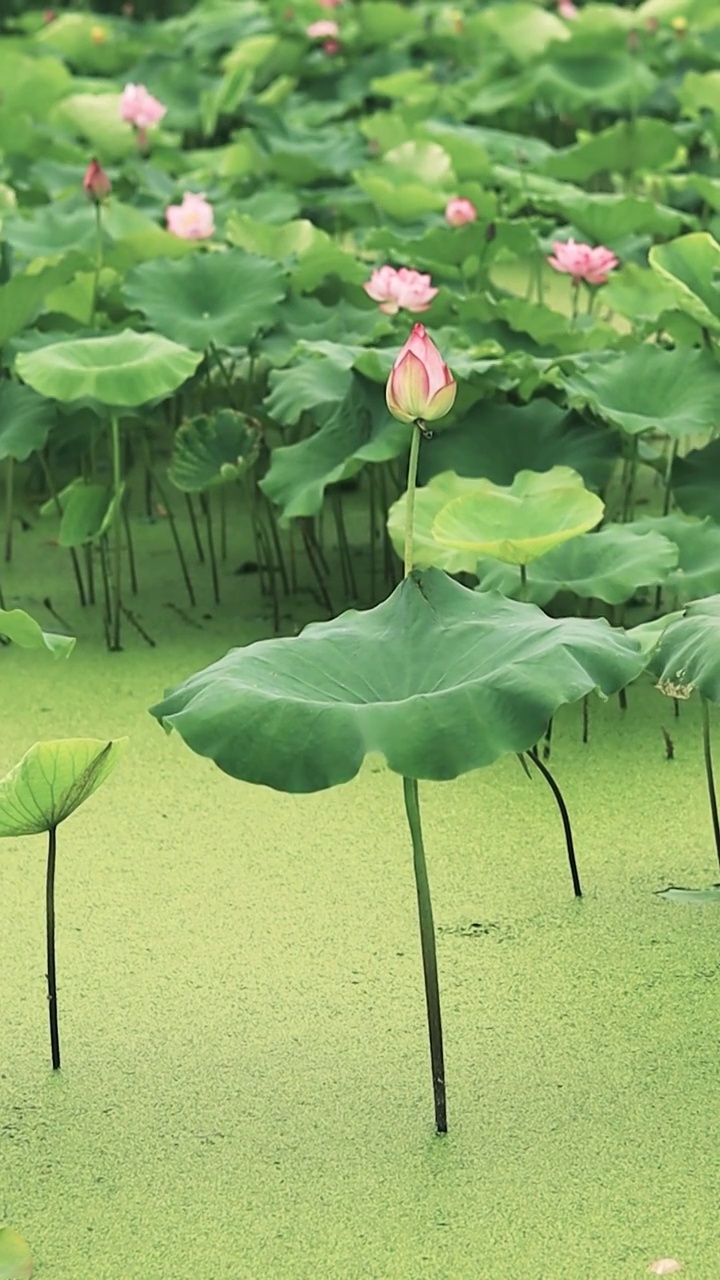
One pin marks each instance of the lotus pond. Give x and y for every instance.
(359, 395)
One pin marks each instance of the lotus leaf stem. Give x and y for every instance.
(564, 815)
(117, 534)
(429, 956)
(410, 502)
(707, 751)
(50, 930)
(98, 262)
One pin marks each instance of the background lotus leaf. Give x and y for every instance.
(52, 780)
(691, 263)
(687, 656)
(25, 421)
(20, 628)
(212, 449)
(121, 370)
(651, 388)
(437, 678)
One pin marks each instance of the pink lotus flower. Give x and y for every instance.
(566, 9)
(329, 4)
(322, 29)
(459, 211)
(420, 386)
(331, 47)
(139, 108)
(581, 262)
(404, 288)
(191, 220)
(96, 183)
(665, 1267)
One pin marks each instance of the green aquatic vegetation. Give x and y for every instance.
(15, 1257)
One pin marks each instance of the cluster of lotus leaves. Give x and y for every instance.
(438, 679)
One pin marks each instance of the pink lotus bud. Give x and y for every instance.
(567, 10)
(652, 25)
(323, 28)
(404, 288)
(582, 262)
(331, 47)
(420, 386)
(191, 220)
(459, 211)
(329, 4)
(665, 1267)
(139, 108)
(49, 15)
(96, 183)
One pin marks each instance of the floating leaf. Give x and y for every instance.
(518, 523)
(223, 298)
(649, 389)
(15, 1258)
(20, 628)
(123, 369)
(52, 780)
(437, 678)
(212, 449)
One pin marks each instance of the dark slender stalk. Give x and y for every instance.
(50, 933)
(344, 546)
(193, 526)
(263, 544)
(9, 476)
(130, 546)
(58, 507)
(586, 719)
(175, 536)
(429, 956)
(373, 531)
(564, 815)
(547, 741)
(223, 523)
(523, 582)
(90, 570)
(311, 550)
(277, 544)
(622, 699)
(207, 509)
(107, 611)
(116, 614)
(707, 752)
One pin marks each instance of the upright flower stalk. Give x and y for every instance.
(421, 389)
(97, 187)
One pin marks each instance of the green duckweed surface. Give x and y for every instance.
(245, 1092)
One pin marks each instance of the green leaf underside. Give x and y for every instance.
(687, 656)
(211, 450)
(24, 631)
(52, 780)
(437, 678)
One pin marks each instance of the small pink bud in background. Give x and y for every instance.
(420, 385)
(567, 10)
(139, 108)
(49, 15)
(329, 4)
(191, 220)
(331, 47)
(323, 28)
(96, 183)
(651, 26)
(405, 288)
(459, 211)
(582, 262)
(128, 9)
(665, 1267)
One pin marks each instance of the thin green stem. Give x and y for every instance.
(410, 501)
(98, 262)
(9, 478)
(50, 935)
(523, 582)
(117, 534)
(707, 752)
(429, 957)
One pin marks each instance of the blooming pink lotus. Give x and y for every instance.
(459, 211)
(582, 262)
(96, 183)
(323, 29)
(139, 108)
(420, 386)
(405, 288)
(191, 220)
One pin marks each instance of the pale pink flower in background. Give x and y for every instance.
(322, 29)
(138, 107)
(665, 1267)
(405, 288)
(329, 4)
(582, 262)
(420, 385)
(459, 211)
(566, 9)
(191, 220)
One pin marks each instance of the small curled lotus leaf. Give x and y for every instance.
(438, 679)
(212, 449)
(18, 627)
(537, 512)
(52, 780)
(687, 655)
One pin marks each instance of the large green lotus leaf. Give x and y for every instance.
(88, 513)
(649, 389)
(698, 544)
(212, 449)
(355, 430)
(406, 201)
(22, 297)
(95, 117)
(691, 263)
(20, 628)
(51, 230)
(521, 522)
(640, 294)
(687, 656)
(52, 780)
(628, 146)
(497, 440)
(695, 481)
(121, 370)
(307, 385)
(437, 678)
(15, 1257)
(699, 92)
(616, 82)
(223, 298)
(526, 30)
(25, 421)
(609, 565)
(429, 501)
